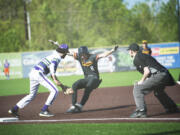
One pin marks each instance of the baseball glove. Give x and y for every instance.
(67, 90)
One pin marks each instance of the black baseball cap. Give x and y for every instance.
(133, 47)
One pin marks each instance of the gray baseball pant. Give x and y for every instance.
(156, 83)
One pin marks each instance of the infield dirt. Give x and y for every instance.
(115, 102)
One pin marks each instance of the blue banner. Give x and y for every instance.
(168, 54)
(30, 59)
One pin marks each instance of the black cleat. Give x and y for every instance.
(78, 107)
(13, 113)
(74, 109)
(138, 114)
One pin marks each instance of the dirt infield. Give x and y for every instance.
(104, 105)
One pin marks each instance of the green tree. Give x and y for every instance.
(167, 24)
(93, 23)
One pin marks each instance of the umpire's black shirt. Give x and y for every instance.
(143, 60)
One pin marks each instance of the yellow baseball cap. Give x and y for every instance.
(144, 41)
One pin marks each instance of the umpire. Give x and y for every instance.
(155, 78)
(91, 79)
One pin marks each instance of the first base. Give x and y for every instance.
(9, 119)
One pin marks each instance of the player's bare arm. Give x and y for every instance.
(72, 54)
(54, 42)
(145, 75)
(55, 79)
(107, 53)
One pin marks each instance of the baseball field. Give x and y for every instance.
(106, 112)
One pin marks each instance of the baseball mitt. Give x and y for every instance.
(67, 90)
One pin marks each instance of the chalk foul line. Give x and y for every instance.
(97, 119)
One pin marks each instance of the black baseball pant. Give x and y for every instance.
(89, 83)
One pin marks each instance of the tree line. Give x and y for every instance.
(94, 23)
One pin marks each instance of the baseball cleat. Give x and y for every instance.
(78, 107)
(74, 109)
(138, 114)
(13, 113)
(71, 109)
(46, 114)
(178, 82)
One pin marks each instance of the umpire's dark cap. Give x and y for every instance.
(133, 47)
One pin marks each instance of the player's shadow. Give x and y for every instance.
(161, 114)
(109, 108)
(158, 114)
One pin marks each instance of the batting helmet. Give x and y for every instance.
(63, 48)
(83, 50)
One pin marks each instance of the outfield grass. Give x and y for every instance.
(21, 86)
(92, 129)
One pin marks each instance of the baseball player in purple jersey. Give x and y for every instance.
(6, 68)
(38, 75)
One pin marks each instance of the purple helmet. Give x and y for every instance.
(63, 48)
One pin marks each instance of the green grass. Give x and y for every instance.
(92, 129)
(21, 86)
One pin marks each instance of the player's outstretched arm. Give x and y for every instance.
(107, 53)
(73, 54)
(54, 42)
(70, 54)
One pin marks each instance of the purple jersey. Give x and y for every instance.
(6, 65)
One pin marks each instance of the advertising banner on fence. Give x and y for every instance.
(168, 54)
(15, 65)
(30, 59)
(123, 61)
(67, 66)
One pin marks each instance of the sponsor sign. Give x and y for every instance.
(168, 54)
(30, 59)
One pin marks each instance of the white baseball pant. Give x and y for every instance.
(37, 78)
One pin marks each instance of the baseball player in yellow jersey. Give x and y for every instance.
(145, 49)
(91, 78)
